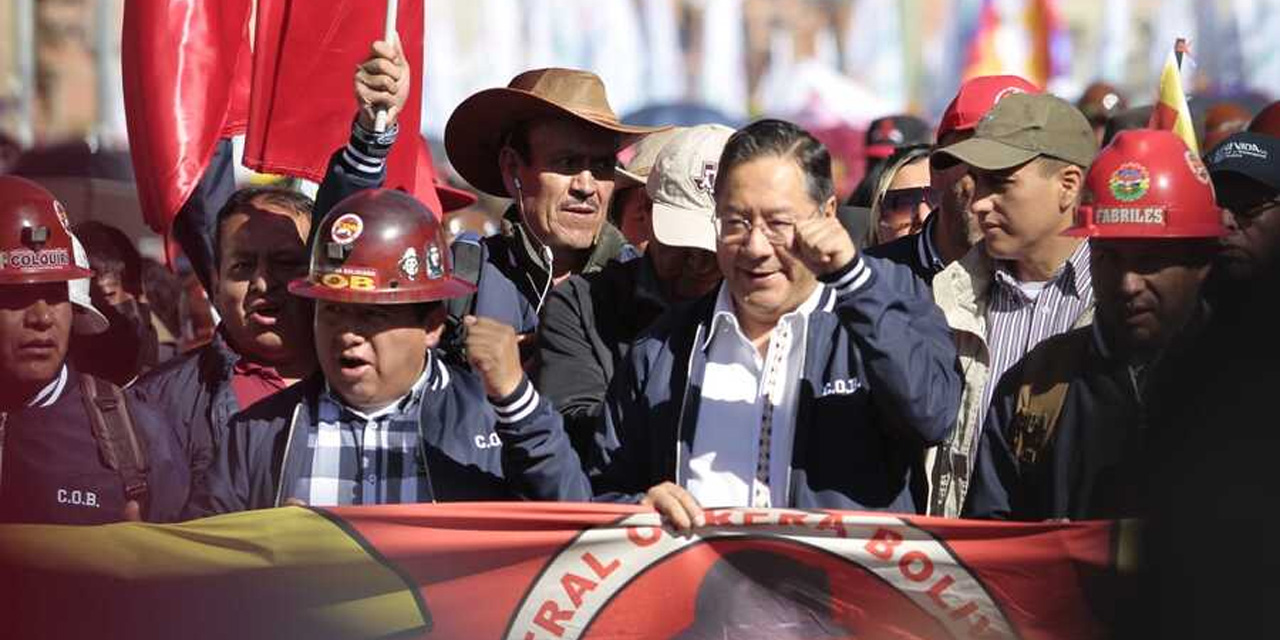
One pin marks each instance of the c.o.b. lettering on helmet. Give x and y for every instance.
(345, 281)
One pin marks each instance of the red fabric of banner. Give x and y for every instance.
(185, 75)
(534, 571)
(305, 56)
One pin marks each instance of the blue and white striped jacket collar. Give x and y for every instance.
(434, 377)
(51, 392)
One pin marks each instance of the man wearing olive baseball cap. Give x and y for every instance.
(1025, 281)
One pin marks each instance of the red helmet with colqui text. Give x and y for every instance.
(35, 236)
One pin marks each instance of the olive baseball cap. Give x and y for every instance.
(1020, 128)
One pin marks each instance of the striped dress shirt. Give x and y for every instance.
(1016, 323)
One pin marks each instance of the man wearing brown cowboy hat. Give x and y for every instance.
(548, 140)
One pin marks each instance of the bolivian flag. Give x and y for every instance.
(1171, 112)
(280, 573)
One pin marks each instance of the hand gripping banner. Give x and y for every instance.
(559, 571)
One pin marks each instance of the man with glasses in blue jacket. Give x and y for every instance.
(813, 377)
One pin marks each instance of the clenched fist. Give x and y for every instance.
(382, 82)
(494, 352)
(823, 245)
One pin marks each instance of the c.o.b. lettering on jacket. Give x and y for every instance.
(487, 442)
(841, 387)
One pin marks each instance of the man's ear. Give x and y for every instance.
(434, 324)
(1070, 181)
(829, 207)
(510, 163)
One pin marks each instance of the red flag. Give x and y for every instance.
(305, 55)
(186, 72)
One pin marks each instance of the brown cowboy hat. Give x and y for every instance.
(476, 130)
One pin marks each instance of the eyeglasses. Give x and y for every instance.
(736, 230)
(1251, 210)
(896, 199)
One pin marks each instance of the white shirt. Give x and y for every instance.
(1032, 289)
(736, 384)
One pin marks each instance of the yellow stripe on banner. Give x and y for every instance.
(278, 573)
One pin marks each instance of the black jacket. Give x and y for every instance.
(879, 384)
(519, 257)
(588, 325)
(265, 451)
(1091, 466)
(53, 472)
(194, 393)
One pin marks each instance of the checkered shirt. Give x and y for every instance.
(369, 458)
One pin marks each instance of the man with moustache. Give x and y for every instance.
(1025, 282)
(548, 141)
(385, 420)
(73, 448)
(813, 377)
(1066, 434)
(951, 230)
(590, 321)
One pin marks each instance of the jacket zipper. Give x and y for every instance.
(284, 460)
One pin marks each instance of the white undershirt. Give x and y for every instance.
(1032, 289)
(736, 384)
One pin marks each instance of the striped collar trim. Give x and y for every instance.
(51, 392)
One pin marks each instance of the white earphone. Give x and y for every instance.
(517, 181)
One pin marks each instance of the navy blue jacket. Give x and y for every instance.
(909, 252)
(880, 383)
(193, 391)
(497, 296)
(53, 472)
(266, 447)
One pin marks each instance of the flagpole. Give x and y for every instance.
(388, 35)
(24, 25)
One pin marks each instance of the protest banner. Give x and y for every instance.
(526, 571)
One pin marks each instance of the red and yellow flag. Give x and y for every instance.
(534, 571)
(1171, 112)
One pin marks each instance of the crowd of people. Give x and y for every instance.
(1007, 320)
